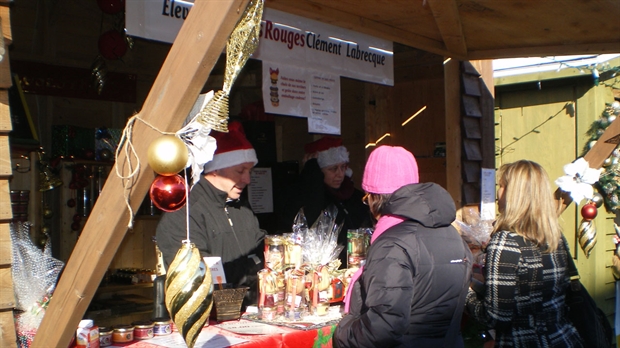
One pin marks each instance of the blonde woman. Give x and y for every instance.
(526, 273)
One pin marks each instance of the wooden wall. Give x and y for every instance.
(7, 298)
(549, 126)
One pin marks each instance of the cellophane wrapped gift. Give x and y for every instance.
(35, 273)
(306, 278)
(476, 232)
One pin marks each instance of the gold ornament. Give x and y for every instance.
(189, 292)
(47, 212)
(587, 236)
(167, 155)
(242, 43)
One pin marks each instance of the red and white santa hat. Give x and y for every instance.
(330, 152)
(233, 148)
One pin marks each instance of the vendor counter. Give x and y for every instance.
(245, 333)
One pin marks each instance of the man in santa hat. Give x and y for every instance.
(221, 223)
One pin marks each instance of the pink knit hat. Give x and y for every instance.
(388, 169)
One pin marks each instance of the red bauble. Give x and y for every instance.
(75, 226)
(112, 45)
(71, 203)
(168, 192)
(77, 217)
(589, 211)
(111, 6)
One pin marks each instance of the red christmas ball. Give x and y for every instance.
(168, 192)
(589, 211)
(77, 218)
(111, 6)
(75, 226)
(71, 203)
(112, 45)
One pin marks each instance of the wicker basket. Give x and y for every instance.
(227, 303)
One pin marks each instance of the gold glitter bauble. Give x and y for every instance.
(167, 155)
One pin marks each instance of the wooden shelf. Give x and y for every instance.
(122, 287)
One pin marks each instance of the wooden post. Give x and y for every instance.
(195, 51)
(603, 148)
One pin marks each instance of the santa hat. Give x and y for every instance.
(233, 148)
(330, 152)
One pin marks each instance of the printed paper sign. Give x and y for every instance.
(217, 268)
(260, 191)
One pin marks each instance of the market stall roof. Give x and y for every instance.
(475, 29)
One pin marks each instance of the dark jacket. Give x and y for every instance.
(525, 290)
(311, 193)
(213, 235)
(414, 274)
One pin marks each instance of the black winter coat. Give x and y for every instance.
(214, 235)
(413, 277)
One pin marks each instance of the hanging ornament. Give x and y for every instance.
(112, 45)
(588, 211)
(47, 212)
(98, 72)
(189, 292)
(597, 199)
(587, 236)
(111, 6)
(168, 193)
(242, 43)
(587, 229)
(167, 155)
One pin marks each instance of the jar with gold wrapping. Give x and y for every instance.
(274, 252)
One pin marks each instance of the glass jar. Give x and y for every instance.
(105, 336)
(122, 334)
(143, 330)
(274, 252)
(162, 327)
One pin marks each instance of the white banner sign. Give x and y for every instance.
(305, 42)
(284, 38)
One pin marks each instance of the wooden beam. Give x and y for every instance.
(192, 56)
(452, 90)
(347, 20)
(603, 148)
(446, 14)
(541, 51)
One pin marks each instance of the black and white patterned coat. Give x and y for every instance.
(525, 290)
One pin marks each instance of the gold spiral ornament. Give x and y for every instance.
(242, 43)
(587, 236)
(189, 292)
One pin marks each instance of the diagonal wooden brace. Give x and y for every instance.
(595, 157)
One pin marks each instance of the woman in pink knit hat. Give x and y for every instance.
(411, 291)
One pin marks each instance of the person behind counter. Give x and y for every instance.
(526, 274)
(411, 291)
(325, 180)
(220, 222)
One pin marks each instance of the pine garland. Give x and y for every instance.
(609, 183)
